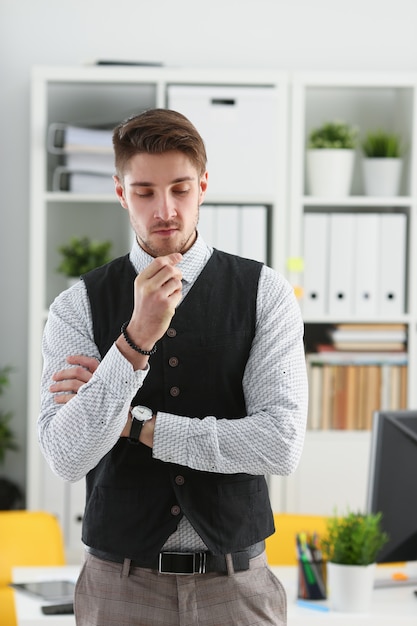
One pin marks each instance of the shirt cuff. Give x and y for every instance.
(118, 375)
(170, 438)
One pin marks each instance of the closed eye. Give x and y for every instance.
(181, 191)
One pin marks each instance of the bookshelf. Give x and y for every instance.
(368, 101)
(295, 103)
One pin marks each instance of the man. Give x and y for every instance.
(186, 384)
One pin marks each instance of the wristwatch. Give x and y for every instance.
(140, 415)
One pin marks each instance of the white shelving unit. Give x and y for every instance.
(333, 469)
(99, 95)
(370, 102)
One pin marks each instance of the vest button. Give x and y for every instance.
(175, 510)
(180, 480)
(174, 392)
(173, 361)
(171, 332)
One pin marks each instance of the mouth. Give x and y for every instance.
(165, 230)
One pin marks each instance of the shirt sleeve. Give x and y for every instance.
(269, 440)
(76, 435)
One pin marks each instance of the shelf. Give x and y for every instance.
(359, 201)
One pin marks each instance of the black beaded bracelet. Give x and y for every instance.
(133, 345)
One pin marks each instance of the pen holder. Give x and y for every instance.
(311, 579)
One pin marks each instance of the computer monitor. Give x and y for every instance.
(392, 487)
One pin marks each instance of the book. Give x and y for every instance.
(369, 335)
(357, 357)
(369, 345)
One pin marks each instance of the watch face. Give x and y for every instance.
(142, 413)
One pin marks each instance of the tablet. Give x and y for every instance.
(48, 589)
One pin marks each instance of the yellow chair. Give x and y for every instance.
(281, 546)
(26, 538)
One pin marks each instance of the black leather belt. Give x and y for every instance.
(189, 562)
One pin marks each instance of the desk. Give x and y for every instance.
(28, 607)
(389, 606)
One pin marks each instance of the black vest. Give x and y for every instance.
(134, 502)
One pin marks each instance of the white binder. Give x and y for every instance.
(341, 233)
(207, 223)
(392, 264)
(227, 237)
(316, 242)
(366, 264)
(254, 233)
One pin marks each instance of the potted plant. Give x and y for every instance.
(350, 547)
(382, 163)
(330, 159)
(10, 494)
(81, 255)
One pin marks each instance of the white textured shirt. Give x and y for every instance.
(269, 440)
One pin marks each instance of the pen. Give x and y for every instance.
(305, 604)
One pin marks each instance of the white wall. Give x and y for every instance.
(282, 34)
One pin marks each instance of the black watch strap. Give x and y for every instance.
(135, 430)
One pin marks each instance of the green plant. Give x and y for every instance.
(81, 255)
(354, 539)
(7, 438)
(333, 135)
(379, 144)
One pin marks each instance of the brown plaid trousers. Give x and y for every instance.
(112, 594)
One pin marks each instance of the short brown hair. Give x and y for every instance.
(157, 131)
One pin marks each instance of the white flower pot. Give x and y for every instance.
(330, 172)
(350, 587)
(382, 177)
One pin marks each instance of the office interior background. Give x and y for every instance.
(337, 35)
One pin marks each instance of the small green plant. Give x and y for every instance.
(7, 438)
(333, 135)
(81, 255)
(354, 539)
(379, 144)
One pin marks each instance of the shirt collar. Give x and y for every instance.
(191, 265)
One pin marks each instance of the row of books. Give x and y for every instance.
(345, 390)
(86, 158)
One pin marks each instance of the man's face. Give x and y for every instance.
(162, 193)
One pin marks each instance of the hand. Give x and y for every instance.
(157, 293)
(69, 381)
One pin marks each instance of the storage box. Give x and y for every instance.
(239, 126)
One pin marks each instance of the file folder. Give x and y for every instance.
(316, 242)
(340, 296)
(227, 235)
(254, 233)
(207, 223)
(392, 264)
(366, 264)
(238, 230)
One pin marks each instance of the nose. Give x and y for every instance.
(165, 209)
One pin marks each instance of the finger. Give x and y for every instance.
(73, 373)
(66, 386)
(90, 363)
(161, 264)
(64, 398)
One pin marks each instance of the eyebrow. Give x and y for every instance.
(182, 179)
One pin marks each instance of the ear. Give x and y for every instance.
(203, 187)
(120, 192)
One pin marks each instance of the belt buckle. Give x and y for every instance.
(182, 563)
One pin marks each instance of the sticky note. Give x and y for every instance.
(295, 264)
